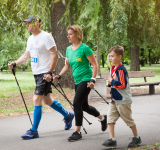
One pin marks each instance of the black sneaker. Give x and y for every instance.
(110, 143)
(135, 142)
(104, 123)
(75, 136)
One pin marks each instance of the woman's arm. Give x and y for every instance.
(93, 62)
(63, 71)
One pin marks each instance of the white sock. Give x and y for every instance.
(77, 131)
(113, 139)
(102, 118)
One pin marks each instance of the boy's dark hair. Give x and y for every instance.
(119, 50)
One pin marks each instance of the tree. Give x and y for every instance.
(60, 36)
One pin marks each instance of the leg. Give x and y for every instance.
(68, 117)
(134, 130)
(80, 103)
(111, 130)
(113, 116)
(80, 96)
(136, 140)
(126, 114)
(93, 111)
(110, 142)
(33, 133)
(37, 100)
(55, 105)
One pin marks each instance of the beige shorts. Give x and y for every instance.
(120, 110)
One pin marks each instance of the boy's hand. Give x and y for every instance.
(110, 80)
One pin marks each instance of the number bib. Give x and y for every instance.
(34, 60)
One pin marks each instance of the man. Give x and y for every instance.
(42, 49)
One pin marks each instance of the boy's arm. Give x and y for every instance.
(121, 83)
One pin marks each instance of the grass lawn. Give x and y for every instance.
(10, 99)
(8, 84)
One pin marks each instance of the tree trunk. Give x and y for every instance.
(98, 50)
(60, 35)
(134, 53)
(142, 61)
(149, 57)
(103, 62)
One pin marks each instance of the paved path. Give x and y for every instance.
(146, 112)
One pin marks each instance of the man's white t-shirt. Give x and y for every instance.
(38, 47)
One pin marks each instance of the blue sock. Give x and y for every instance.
(58, 107)
(36, 117)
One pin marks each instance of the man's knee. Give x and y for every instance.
(47, 99)
(37, 100)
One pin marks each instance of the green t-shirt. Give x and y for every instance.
(81, 68)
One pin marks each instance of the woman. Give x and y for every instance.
(79, 56)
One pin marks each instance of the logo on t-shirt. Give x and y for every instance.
(34, 47)
(79, 59)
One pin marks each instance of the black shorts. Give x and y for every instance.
(42, 86)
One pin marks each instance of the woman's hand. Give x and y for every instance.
(90, 85)
(55, 78)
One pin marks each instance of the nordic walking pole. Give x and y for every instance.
(21, 94)
(69, 103)
(100, 95)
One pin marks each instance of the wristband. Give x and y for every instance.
(49, 73)
(92, 80)
(59, 76)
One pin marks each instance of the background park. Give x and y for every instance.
(134, 24)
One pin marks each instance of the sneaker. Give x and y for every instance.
(30, 134)
(104, 123)
(135, 142)
(68, 121)
(75, 136)
(110, 143)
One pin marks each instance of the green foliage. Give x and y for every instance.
(120, 22)
(12, 46)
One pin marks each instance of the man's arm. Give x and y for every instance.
(21, 60)
(54, 60)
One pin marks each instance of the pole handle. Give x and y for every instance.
(13, 72)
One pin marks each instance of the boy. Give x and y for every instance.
(121, 98)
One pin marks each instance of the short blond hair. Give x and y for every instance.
(119, 50)
(77, 30)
